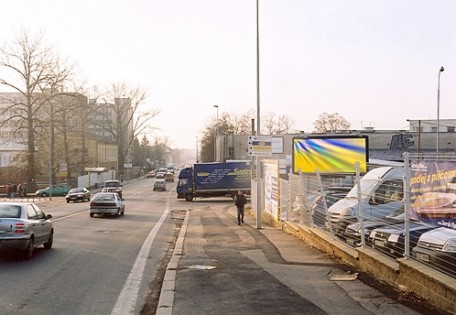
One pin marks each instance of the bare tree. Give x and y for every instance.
(330, 123)
(30, 68)
(128, 121)
(277, 125)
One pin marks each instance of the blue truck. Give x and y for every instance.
(214, 180)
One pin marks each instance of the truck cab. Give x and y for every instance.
(185, 184)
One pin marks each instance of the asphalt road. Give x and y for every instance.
(96, 264)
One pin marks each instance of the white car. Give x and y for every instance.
(24, 226)
(108, 203)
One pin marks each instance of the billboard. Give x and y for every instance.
(433, 192)
(331, 154)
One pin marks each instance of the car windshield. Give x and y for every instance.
(111, 184)
(366, 187)
(106, 197)
(76, 190)
(10, 211)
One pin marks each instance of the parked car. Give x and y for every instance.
(160, 184)
(438, 249)
(169, 177)
(352, 233)
(391, 239)
(317, 205)
(113, 185)
(79, 193)
(107, 203)
(53, 190)
(24, 226)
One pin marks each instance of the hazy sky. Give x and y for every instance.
(374, 62)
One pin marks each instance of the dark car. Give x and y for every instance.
(76, 194)
(352, 233)
(24, 226)
(391, 239)
(317, 205)
(113, 186)
(107, 204)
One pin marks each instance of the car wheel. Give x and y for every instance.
(118, 212)
(44, 195)
(28, 252)
(68, 201)
(91, 215)
(50, 241)
(188, 197)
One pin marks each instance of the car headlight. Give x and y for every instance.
(450, 246)
(393, 238)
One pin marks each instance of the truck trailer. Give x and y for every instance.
(216, 179)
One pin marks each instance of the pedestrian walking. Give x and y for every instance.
(240, 201)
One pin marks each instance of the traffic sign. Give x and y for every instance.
(259, 145)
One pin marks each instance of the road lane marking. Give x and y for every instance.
(126, 301)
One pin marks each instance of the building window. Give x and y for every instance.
(230, 151)
(450, 129)
(433, 129)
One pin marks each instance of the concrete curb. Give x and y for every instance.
(166, 300)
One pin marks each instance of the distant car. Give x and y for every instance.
(53, 190)
(113, 185)
(108, 203)
(76, 194)
(160, 184)
(24, 226)
(160, 175)
(169, 177)
(151, 174)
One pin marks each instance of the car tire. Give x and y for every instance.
(68, 201)
(118, 212)
(91, 215)
(48, 244)
(27, 253)
(188, 197)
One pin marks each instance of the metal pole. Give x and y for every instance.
(438, 109)
(215, 136)
(258, 131)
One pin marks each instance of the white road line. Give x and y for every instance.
(127, 298)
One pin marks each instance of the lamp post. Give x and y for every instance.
(215, 136)
(258, 131)
(197, 160)
(438, 109)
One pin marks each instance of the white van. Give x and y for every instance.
(381, 193)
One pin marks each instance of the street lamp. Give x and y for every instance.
(438, 109)
(216, 132)
(197, 160)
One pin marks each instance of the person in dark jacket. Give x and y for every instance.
(240, 201)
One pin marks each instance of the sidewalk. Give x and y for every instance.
(219, 267)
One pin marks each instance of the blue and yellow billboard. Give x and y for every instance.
(330, 154)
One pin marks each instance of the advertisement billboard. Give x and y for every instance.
(331, 154)
(433, 192)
